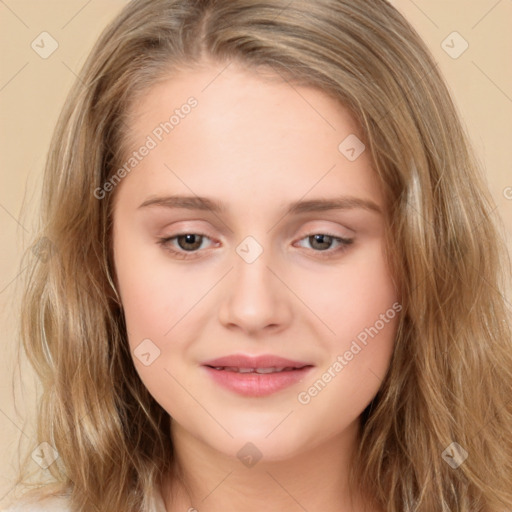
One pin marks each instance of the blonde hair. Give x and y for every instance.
(450, 375)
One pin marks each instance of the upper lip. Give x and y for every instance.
(263, 361)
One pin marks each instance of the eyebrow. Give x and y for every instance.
(294, 208)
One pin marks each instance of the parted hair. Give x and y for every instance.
(450, 375)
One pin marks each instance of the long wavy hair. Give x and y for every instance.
(451, 371)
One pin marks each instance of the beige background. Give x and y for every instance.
(32, 90)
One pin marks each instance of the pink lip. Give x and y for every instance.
(256, 384)
(263, 361)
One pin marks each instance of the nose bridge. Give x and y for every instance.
(252, 278)
(255, 297)
(251, 267)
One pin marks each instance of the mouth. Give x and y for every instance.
(256, 376)
(271, 369)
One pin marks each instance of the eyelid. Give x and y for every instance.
(190, 232)
(165, 242)
(344, 243)
(333, 228)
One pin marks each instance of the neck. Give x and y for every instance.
(315, 479)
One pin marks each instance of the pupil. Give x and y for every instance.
(322, 239)
(189, 240)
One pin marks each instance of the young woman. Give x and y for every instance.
(271, 274)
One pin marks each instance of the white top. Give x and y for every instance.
(60, 504)
(47, 505)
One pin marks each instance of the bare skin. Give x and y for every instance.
(255, 146)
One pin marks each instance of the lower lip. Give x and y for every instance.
(257, 384)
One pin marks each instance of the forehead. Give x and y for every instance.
(229, 94)
(246, 135)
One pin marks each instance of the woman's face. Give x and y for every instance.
(248, 224)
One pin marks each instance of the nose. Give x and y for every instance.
(254, 299)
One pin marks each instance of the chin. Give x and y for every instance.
(266, 444)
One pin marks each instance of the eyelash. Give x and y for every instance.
(180, 254)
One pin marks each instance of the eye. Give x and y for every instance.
(187, 245)
(186, 242)
(323, 242)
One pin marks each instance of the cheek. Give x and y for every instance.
(358, 304)
(152, 297)
(353, 322)
(351, 296)
(153, 303)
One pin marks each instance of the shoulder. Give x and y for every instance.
(49, 504)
